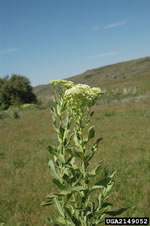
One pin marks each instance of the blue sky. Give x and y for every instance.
(56, 39)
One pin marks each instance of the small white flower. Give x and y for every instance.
(63, 83)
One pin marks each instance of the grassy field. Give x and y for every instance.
(24, 176)
(122, 118)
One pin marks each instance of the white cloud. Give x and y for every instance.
(109, 26)
(7, 51)
(104, 54)
(113, 25)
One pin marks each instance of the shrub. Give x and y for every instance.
(15, 115)
(16, 90)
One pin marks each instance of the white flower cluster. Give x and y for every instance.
(63, 83)
(82, 94)
(75, 97)
(79, 96)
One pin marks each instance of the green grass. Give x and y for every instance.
(122, 119)
(25, 179)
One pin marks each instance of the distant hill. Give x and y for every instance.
(130, 75)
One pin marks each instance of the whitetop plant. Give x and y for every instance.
(75, 181)
(78, 97)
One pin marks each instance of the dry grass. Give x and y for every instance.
(25, 179)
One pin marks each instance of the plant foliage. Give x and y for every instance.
(76, 182)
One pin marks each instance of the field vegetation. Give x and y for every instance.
(122, 119)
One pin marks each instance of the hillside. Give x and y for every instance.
(121, 75)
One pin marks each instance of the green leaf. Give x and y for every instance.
(76, 138)
(62, 131)
(96, 187)
(50, 199)
(51, 149)
(73, 219)
(65, 142)
(105, 204)
(60, 220)
(59, 207)
(60, 157)
(94, 149)
(72, 161)
(78, 154)
(54, 115)
(58, 110)
(53, 170)
(113, 174)
(100, 198)
(108, 188)
(55, 128)
(88, 158)
(91, 133)
(49, 221)
(67, 178)
(70, 139)
(92, 113)
(57, 182)
(99, 221)
(51, 109)
(72, 190)
(104, 182)
(68, 123)
(95, 146)
(48, 202)
(93, 172)
(116, 212)
(88, 120)
(63, 221)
